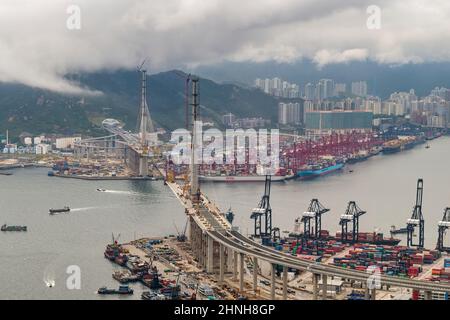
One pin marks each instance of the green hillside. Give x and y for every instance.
(37, 111)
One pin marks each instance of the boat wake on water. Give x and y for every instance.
(49, 283)
(116, 191)
(83, 209)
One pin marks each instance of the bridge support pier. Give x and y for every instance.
(285, 274)
(210, 263)
(229, 259)
(324, 287)
(272, 283)
(221, 263)
(205, 250)
(235, 265)
(315, 286)
(255, 274)
(143, 166)
(241, 272)
(373, 295)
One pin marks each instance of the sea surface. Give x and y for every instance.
(384, 186)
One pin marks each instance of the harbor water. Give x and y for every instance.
(384, 186)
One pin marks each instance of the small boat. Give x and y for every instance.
(427, 146)
(13, 228)
(121, 290)
(101, 190)
(65, 209)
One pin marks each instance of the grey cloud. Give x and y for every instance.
(37, 49)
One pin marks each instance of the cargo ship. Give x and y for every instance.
(392, 146)
(369, 237)
(13, 228)
(363, 237)
(224, 176)
(121, 290)
(394, 230)
(241, 178)
(402, 143)
(361, 156)
(314, 171)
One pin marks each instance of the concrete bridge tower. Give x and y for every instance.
(195, 188)
(146, 129)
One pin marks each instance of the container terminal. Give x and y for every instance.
(211, 259)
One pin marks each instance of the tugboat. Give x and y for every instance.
(122, 290)
(65, 209)
(13, 228)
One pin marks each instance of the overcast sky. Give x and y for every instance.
(37, 48)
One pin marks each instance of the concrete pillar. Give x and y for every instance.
(367, 294)
(241, 272)
(210, 262)
(428, 295)
(373, 295)
(315, 286)
(235, 265)
(201, 249)
(272, 283)
(143, 166)
(324, 287)
(229, 261)
(205, 250)
(221, 263)
(255, 274)
(285, 274)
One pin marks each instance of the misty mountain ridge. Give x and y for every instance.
(38, 111)
(382, 79)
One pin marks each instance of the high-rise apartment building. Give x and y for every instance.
(289, 113)
(359, 88)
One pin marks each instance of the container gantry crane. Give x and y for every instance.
(351, 215)
(314, 212)
(443, 226)
(417, 220)
(263, 230)
(276, 235)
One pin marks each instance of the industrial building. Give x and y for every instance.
(322, 122)
(66, 142)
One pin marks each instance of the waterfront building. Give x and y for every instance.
(66, 142)
(325, 122)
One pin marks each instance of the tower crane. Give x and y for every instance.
(417, 220)
(263, 211)
(314, 212)
(443, 226)
(351, 215)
